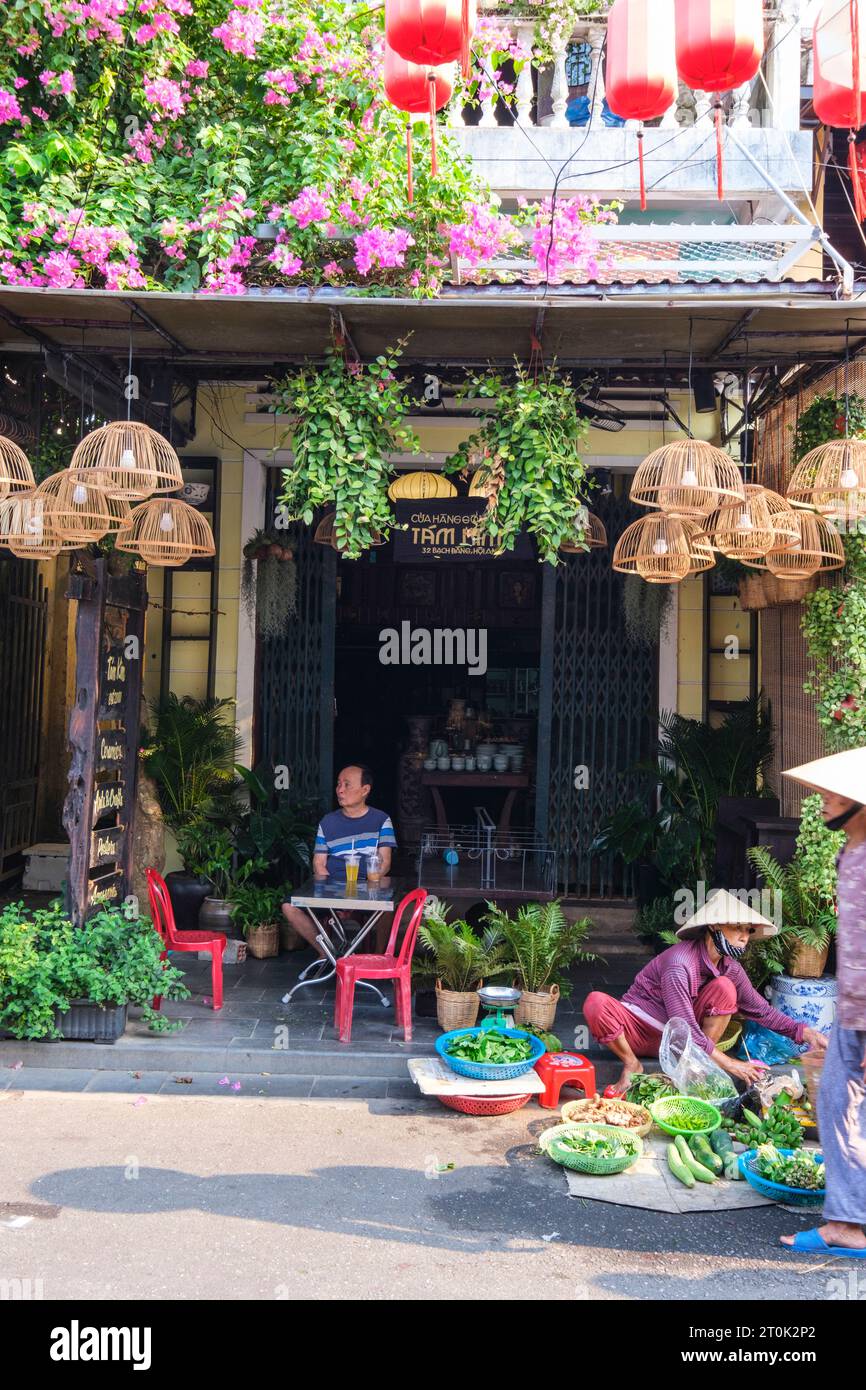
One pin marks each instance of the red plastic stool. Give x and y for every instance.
(558, 1069)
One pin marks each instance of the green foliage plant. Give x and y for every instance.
(253, 905)
(542, 943)
(453, 953)
(190, 753)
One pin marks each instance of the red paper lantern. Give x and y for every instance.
(641, 73)
(431, 31)
(720, 44)
(415, 88)
(839, 49)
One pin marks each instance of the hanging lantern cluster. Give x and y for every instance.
(122, 462)
(423, 41)
(714, 46)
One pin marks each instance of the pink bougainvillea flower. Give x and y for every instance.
(223, 1081)
(309, 206)
(242, 28)
(378, 247)
(10, 109)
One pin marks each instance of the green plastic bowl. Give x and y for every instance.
(670, 1111)
(591, 1163)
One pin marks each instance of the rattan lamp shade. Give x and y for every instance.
(16, 475)
(588, 529)
(27, 527)
(743, 530)
(689, 479)
(325, 533)
(119, 514)
(657, 547)
(135, 461)
(80, 510)
(819, 548)
(786, 527)
(166, 531)
(832, 479)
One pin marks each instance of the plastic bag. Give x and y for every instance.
(760, 1044)
(693, 1070)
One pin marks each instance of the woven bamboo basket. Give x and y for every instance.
(537, 1008)
(16, 475)
(809, 964)
(765, 590)
(134, 460)
(264, 940)
(456, 1008)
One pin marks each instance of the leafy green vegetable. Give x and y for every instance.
(644, 1090)
(490, 1046)
(800, 1169)
(592, 1141)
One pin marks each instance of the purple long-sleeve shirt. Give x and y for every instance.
(851, 937)
(670, 984)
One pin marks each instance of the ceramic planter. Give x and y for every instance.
(187, 893)
(216, 915)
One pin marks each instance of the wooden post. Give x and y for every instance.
(99, 811)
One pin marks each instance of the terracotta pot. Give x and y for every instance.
(538, 1008)
(456, 1008)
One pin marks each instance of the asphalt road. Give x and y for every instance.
(113, 1196)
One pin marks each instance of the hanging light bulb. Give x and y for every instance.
(745, 523)
(127, 459)
(660, 547)
(849, 480)
(79, 494)
(689, 478)
(165, 522)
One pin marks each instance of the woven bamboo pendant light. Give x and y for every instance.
(325, 533)
(786, 528)
(743, 530)
(119, 514)
(701, 554)
(689, 480)
(818, 549)
(80, 512)
(135, 461)
(832, 479)
(166, 531)
(589, 532)
(27, 527)
(16, 475)
(657, 547)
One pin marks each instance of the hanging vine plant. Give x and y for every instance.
(644, 610)
(348, 419)
(269, 592)
(824, 420)
(525, 457)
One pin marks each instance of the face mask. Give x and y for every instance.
(839, 822)
(725, 947)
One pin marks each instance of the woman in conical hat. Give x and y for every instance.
(701, 980)
(841, 780)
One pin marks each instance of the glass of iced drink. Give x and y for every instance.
(352, 862)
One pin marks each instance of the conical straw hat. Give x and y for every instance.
(724, 909)
(842, 773)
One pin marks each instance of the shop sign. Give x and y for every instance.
(107, 891)
(448, 529)
(106, 845)
(109, 798)
(110, 750)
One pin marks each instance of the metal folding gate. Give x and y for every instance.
(599, 708)
(296, 674)
(23, 615)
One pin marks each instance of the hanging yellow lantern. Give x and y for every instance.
(16, 475)
(134, 460)
(167, 532)
(418, 487)
(80, 511)
(689, 480)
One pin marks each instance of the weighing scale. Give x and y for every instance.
(501, 1000)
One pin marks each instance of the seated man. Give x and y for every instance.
(355, 825)
(700, 980)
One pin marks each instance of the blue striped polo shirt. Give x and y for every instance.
(337, 832)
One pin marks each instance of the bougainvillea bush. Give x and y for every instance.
(220, 145)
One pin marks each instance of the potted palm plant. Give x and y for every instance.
(458, 960)
(541, 943)
(805, 890)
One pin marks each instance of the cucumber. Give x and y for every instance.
(700, 1172)
(704, 1154)
(720, 1143)
(678, 1168)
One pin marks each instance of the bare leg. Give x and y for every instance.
(630, 1063)
(303, 926)
(843, 1233)
(714, 1026)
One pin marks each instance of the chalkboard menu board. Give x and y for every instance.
(103, 734)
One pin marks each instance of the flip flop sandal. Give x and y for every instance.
(815, 1244)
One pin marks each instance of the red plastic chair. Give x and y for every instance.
(163, 919)
(350, 969)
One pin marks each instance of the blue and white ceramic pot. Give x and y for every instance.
(812, 1002)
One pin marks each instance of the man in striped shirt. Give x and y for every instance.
(355, 826)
